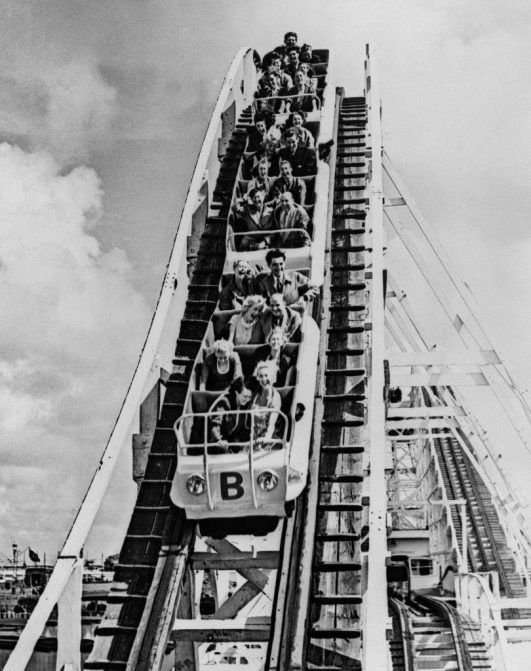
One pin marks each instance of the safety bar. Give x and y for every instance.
(253, 443)
(268, 233)
(264, 103)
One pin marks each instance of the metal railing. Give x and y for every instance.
(254, 444)
(278, 104)
(284, 233)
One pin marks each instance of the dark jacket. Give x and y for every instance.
(303, 161)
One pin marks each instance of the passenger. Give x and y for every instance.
(287, 216)
(302, 95)
(257, 134)
(243, 326)
(297, 120)
(277, 65)
(265, 398)
(301, 158)
(262, 180)
(290, 40)
(278, 315)
(270, 90)
(242, 284)
(307, 55)
(269, 151)
(230, 427)
(293, 63)
(294, 287)
(220, 367)
(252, 216)
(275, 351)
(286, 183)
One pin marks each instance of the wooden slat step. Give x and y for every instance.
(348, 308)
(337, 538)
(341, 478)
(334, 633)
(346, 329)
(339, 599)
(340, 507)
(350, 372)
(342, 449)
(346, 352)
(349, 286)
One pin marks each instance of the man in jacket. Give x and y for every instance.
(294, 286)
(302, 159)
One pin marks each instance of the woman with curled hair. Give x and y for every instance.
(229, 427)
(297, 120)
(220, 367)
(242, 326)
(275, 352)
(265, 404)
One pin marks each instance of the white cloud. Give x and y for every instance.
(69, 333)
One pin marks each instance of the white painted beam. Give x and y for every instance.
(439, 380)
(444, 358)
(435, 411)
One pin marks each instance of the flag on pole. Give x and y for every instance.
(33, 556)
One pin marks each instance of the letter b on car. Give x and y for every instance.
(231, 485)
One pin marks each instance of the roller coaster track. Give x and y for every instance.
(487, 543)
(430, 633)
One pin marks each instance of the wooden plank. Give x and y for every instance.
(253, 629)
(234, 561)
(439, 380)
(253, 574)
(241, 597)
(444, 358)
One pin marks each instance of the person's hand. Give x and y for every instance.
(223, 444)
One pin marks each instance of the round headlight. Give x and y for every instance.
(267, 481)
(196, 484)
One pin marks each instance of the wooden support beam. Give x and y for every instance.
(241, 597)
(439, 380)
(253, 629)
(234, 561)
(444, 358)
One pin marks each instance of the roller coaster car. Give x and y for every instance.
(255, 478)
(300, 250)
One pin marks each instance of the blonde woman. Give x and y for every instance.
(242, 327)
(265, 404)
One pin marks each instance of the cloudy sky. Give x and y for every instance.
(103, 106)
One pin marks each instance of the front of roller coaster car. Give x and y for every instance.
(255, 477)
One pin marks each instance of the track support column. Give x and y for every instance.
(69, 621)
(375, 647)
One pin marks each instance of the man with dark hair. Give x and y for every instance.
(307, 55)
(294, 287)
(293, 62)
(290, 40)
(287, 182)
(302, 159)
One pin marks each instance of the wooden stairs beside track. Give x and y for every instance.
(335, 600)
